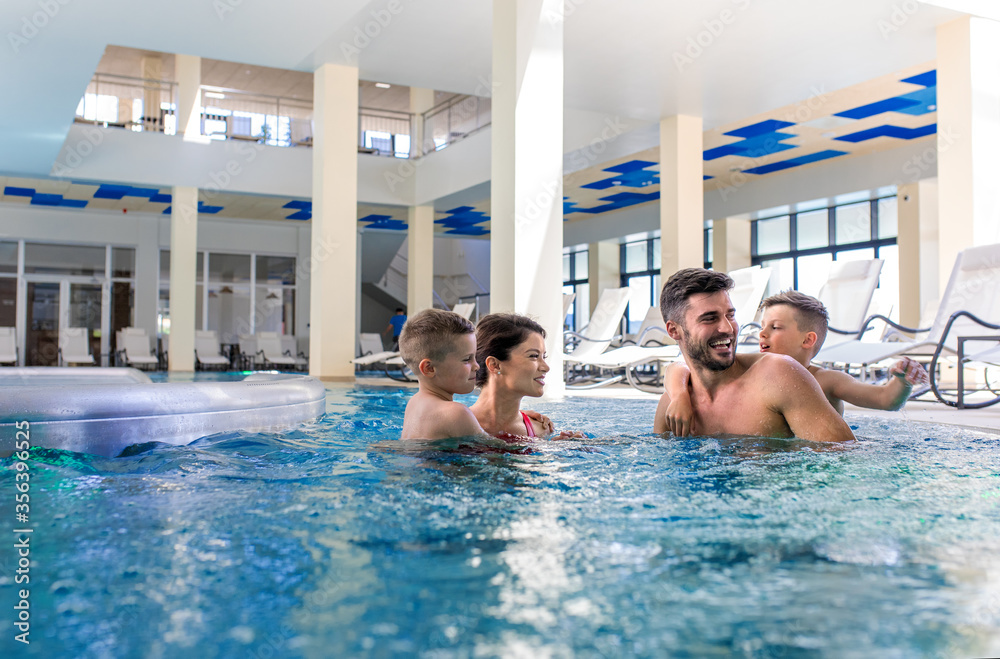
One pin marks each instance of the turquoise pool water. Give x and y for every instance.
(329, 541)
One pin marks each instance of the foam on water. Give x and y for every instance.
(332, 540)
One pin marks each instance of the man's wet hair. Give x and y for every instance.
(431, 335)
(810, 314)
(687, 282)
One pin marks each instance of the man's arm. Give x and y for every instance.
(796, 395)
(889, 396)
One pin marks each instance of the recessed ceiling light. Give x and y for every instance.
(932, 107)
(383, 85)
(214, 95)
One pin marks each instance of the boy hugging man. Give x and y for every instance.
(795, 324)
(440, 348)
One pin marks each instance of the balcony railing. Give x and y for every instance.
(455, 119)
(140, 104)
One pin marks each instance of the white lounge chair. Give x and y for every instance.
(134, 348)
(371, 350)
(465, 309)
(208, 351)
(970, 303)
(748, 289)
(270, 353)
(247, 345)
(8, 346)
(290, 349)
(74, 348)
(847, 296)
(567, 303)
(584, 368)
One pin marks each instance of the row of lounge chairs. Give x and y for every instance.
(134, 348)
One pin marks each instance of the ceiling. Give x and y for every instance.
(772, 79)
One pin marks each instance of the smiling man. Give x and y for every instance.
(774, 396)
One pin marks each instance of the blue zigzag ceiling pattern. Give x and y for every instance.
(770, 137)
(464, 221)
(41, 199)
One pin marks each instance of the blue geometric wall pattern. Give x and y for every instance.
(303, 210)
(760, 139)
(106, 191)
(794, 162)
(922, 101)
(631, 174)
(898, 132)
(202, 208)
(464, 221)
(383, 222)
(616, 201)
(42, 199)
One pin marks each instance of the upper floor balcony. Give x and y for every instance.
(146, 105)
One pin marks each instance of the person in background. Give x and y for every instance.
(396, 327)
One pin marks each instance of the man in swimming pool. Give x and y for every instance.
(773, 397)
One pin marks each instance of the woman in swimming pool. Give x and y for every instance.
(510, 350)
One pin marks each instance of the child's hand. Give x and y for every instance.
(569, 434)
(680, 416)
(910, 371)
(547, 426)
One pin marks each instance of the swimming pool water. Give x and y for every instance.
(332, 541)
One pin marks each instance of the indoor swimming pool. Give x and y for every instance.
(333, 540)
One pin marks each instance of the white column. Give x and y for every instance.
(603, 269)
(333, 290)
(917, 219)
(681, 194)
(730, 244)
(420, 259)
(187, 68)
(527, 169)
(183, 277)
(421, 100)
(968, 119)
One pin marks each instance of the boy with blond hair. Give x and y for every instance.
(440, 348)
(795, 324)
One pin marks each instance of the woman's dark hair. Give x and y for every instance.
(499, 333)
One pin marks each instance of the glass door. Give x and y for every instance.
(42, 328)
(85, 310)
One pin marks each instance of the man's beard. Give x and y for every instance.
(702, 353)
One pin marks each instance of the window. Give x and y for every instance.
(576, 279)
(246, 293)
(801, 246)
(640, 272)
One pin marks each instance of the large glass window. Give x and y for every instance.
(855, 231)
(246, 293)
(641, 274)
(8, 257)
(42, 258)
(576, 279)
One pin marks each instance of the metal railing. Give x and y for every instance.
(454, 120)
(142, 104)
(138, 104)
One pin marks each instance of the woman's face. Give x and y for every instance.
(524, 372)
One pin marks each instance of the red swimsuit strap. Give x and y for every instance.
(527, 424)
